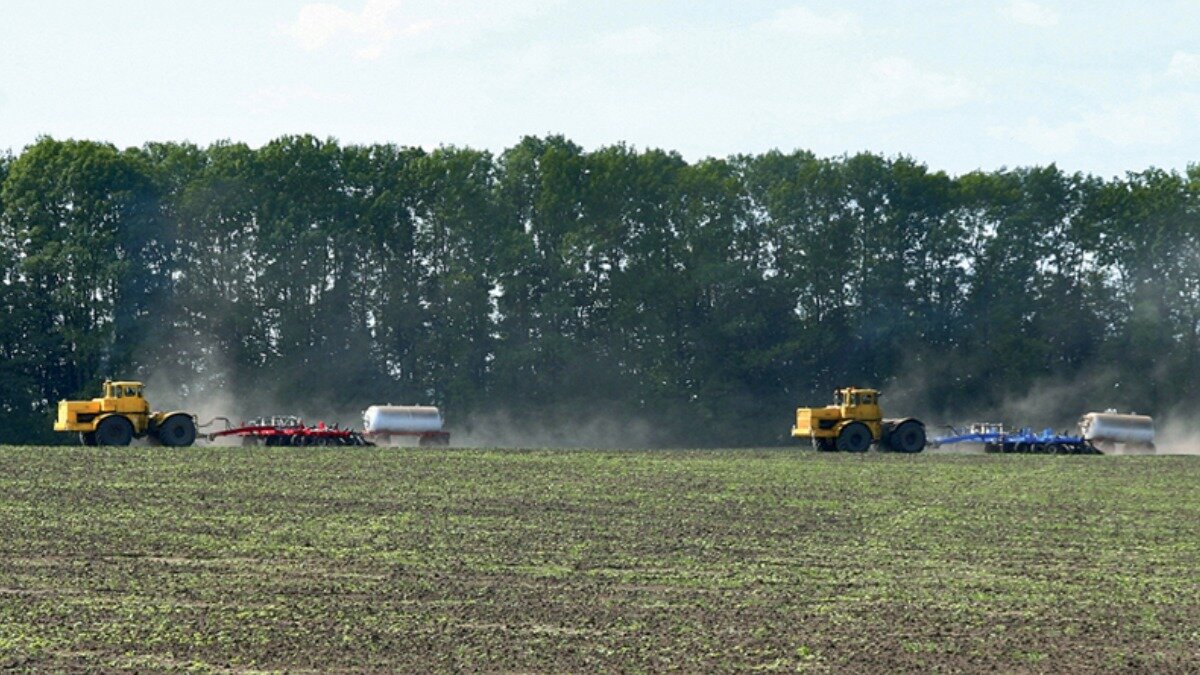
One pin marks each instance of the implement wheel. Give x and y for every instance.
(854, 437)
(177, 431)
(114, 430)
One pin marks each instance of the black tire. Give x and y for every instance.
(908, 437)
(854, 437)
(87, 438)
(823, 445)
(177, 431)
(114, 430)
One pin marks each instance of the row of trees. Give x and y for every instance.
(546, 282)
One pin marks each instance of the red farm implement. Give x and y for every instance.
(287, 431)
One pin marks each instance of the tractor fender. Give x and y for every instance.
(157, 418)
(890, 424)
(98, 419)
(843, 423)
(895, 422)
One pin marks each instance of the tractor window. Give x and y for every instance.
(131, 391)
(868, 399)
(116, 392)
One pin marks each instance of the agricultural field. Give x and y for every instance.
(218, 559)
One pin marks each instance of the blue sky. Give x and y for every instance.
(1103, 87)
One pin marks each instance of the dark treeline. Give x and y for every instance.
(707, 299)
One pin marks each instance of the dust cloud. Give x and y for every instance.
(508, 429)
(1178, 435)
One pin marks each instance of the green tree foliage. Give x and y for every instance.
(549, 282)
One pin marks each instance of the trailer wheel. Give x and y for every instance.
(114, 430)
(909, 437)
(854, 437)
(177, 431)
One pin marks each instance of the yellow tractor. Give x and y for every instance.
(854, 421)
(122, 414)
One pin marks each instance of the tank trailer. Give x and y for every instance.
(1106, 430)
(382, 423)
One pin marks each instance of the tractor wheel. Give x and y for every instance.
(908, 437)
(87, 438)
(177, 431)
(854, 437)
(114, 430)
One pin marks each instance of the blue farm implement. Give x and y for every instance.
(995, 438)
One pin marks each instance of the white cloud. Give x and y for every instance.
(1045, 139)
(802, 21)
(1139, 124)
(374, 28)
(636, 41)
(275, 98)
(895, 86)
(1152, 121)
(1031, 13)
(320, 23)
(1184, 66)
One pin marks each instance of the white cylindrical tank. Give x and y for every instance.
(401, 419)
(1117, 428)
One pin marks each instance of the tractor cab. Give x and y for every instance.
(123, 389)
(858, 404)
(124, 397)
